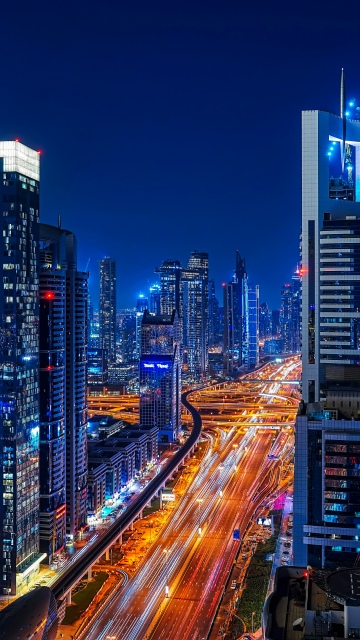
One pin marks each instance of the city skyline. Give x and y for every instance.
(169, 93)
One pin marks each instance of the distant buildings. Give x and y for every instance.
(160, 375)
(107, 318)
(327, 445)
(290, 321)
(241, 321)
(19, 349)
(186, 289)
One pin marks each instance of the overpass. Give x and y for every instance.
(75, 571)
(261, 380)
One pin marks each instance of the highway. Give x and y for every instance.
(84, 559)
(177, 588)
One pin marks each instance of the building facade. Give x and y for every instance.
(160, 375)
(327, 488)
(196, 315)
(252, 326)
(107, 313)
(19, 349)
(65, 289)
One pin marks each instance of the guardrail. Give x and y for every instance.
(74, 573)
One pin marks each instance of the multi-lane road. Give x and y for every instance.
(177, 588)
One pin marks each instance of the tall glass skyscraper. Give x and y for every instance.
(19, 348)
(252, 326)
(63, 331)
(327, 449)
(196, 314)
(107, 317)
(160, 375)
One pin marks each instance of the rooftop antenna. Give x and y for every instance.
(343, 116)
(59, 221)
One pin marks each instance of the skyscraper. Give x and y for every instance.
(214, 320)
(252, 331)
(171, 293)
(19, 348)
(154, 303)
(296, 312)
(160, 375)
(327, 454)
(64, 299)
(196, 314)
(108, 308)
(285, 318)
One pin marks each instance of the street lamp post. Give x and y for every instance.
(252, 622)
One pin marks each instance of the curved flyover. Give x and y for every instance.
(75, 572)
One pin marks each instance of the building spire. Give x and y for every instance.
(343, 116)
(342, 94)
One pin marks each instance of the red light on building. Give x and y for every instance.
(305, 574)
(17, 140)
(39, 152)
(49, 295)
(302, 272)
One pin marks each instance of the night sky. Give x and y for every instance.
(168, 126)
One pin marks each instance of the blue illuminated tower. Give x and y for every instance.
(19, 380)
(160, 375)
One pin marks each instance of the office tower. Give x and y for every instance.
(171, 294)
(19, 318)
(214, 320)
(107, 317)
(230, 350)
(128, 337)
(296, 312)
(252, 326)
(275, 322)
(196, 314)
(327, 452)
(264, 321)
(98, 373)
(160, 375)
(285, 318)
(142, 303)
(154, 303)
(240, 281)
(64, 294)
(235, 318)
(52, 323)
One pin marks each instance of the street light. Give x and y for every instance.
(252, 622)
(166, 551)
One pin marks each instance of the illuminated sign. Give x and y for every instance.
(168, 497)
(265, 522)
(150, 365)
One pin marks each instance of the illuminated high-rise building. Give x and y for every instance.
(19, 382)
(195, 279)
(107, 317)
(171, 289)
(154, 302)
(296, 312)
(327, 444)
(214, 316)
(285, 318)
(235, 318)
(160, 375)
(252, 328)
(63, 372)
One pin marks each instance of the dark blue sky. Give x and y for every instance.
(168, 126)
